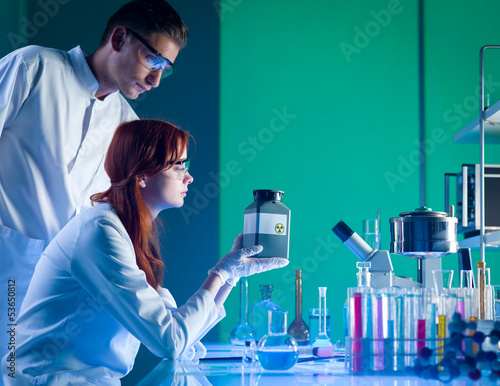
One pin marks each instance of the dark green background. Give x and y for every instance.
(275, 103)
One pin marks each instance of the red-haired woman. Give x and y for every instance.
(96, 292)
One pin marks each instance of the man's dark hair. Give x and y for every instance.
(147, 17)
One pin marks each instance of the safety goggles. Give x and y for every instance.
(179, 169)
(152, 59)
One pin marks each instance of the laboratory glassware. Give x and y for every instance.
(466, 279)
(277, 350)
(243, 332)
(485, 295)
(322, 340)
(364, 280)
(259, 311)
(371, 232)
(314, 315)
(299, 329)
(363, 275)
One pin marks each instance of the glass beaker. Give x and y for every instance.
(442, 279)
(259, 311)
(277, 350)
(371, 232)
(467, 279)
(299, 329)
(243, 332)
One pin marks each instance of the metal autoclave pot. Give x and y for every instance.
(423, 235)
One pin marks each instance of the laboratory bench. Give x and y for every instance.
(223, 366)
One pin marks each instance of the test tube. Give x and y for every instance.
(378, 332)
(357, 333)
(481, 284)
(441, 334)
(420, 303)
(410, 334)
(400, 331)
(442, 303)
(389, 310)
(430, 319)
(460, 295)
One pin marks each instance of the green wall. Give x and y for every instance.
(321, 100)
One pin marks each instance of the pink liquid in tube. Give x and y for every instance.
(420, 334)
(357, 335)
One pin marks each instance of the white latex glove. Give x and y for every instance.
(238, 262)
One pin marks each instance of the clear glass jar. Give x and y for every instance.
(259, 312)
(277, 350)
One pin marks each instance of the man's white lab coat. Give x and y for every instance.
(54, 135)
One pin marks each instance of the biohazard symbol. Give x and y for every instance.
(279, 228)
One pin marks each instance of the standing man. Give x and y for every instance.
(58, 112)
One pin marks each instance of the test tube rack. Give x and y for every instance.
(388, 327)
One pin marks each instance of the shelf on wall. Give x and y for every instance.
(470, 133)
(491, 240)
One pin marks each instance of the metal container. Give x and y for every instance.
(423, 234)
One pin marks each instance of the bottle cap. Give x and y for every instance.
(268, 195)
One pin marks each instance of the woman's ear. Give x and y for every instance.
(141, 180)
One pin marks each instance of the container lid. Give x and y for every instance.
(267, 195)
(423, 212)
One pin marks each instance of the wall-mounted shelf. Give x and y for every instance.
(470, 133)
(491, 240)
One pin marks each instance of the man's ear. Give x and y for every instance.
(117, 38)
(141, 180)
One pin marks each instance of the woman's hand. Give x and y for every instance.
(238, 262)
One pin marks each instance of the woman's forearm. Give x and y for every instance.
(220, 292)
(221, 296)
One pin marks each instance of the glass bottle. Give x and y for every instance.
(243, 332)
(259, 311)
(364, 280)
(299, 329)
(277, 350)
(322, 340)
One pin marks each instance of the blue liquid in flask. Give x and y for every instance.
(277, 360)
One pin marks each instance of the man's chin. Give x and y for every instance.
(131, 96)
(131, 93)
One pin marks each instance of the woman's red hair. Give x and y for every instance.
(140, 148)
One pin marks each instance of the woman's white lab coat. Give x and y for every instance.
(89, 306)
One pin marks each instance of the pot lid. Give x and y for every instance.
(423, 212)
